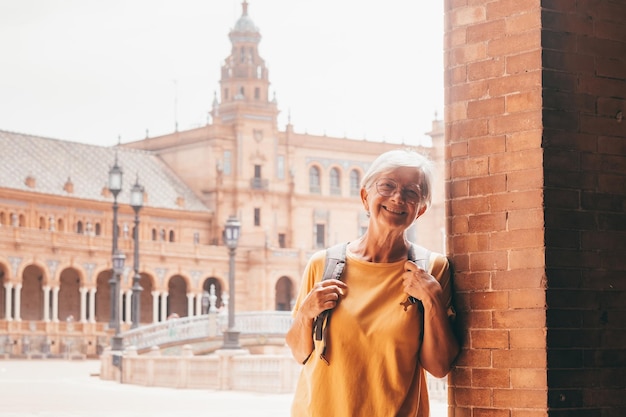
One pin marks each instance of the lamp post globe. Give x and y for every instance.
(136, 202)
(231, 233)
(136, 195)
(115, 178)
(231, 239)
(118, 263)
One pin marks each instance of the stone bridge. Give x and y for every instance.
(204, 333)
(179, 355)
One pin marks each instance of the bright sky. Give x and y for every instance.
(92, 70)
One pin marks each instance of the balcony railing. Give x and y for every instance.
(259, 183)
(27, 238)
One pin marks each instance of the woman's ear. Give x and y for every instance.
(364, 195)
(421, 211)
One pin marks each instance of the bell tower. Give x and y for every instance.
(244, 83)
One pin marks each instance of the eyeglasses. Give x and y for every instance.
(388, 187)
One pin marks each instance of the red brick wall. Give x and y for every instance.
(536, 174)
(495, 217)
(535, 96)
(584, 84)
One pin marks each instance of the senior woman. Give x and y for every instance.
(391, 317)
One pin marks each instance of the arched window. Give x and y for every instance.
(284, 294)
(98, 229)
(335, 182)
(154, 234)
(79, 227)
(171, 239)
(42, 223)
(355, 182)
(314, 180)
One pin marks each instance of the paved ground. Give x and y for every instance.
(57, 388)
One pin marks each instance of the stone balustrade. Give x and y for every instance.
(207, 326)
(234, 369)
(223, 370)
(150, 357)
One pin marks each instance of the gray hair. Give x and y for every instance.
(402, 158)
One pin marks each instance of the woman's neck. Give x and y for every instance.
(384, 249)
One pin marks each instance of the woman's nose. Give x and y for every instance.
(398, 195)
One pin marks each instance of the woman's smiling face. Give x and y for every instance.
(394, 198)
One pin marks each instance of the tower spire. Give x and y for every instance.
(245, 77)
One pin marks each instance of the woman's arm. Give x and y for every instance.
(299, 338)
(440, 346)
(323, 296)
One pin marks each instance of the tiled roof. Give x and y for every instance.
(51, 162)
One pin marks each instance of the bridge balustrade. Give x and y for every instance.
(246, 372)
(183, 330)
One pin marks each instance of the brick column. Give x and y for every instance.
(536, 200)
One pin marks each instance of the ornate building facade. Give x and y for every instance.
(293, 194)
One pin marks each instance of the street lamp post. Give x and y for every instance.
(231, 238)
(115, 186)
(136, 202)
(118, 269)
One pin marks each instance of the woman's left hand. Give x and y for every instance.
(420, 284)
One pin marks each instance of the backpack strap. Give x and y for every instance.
(335, 261)
(421, 256)
(333, 268)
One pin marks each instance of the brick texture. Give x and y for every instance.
(584, 183)
(535, 106)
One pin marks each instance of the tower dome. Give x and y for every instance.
(245, 29)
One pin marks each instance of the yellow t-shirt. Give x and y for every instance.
(372, 345)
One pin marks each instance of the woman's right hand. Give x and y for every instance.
(325, 295)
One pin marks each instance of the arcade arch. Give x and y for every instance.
(32, 294)
(69, 298)
(284, 294)
(177, 300)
